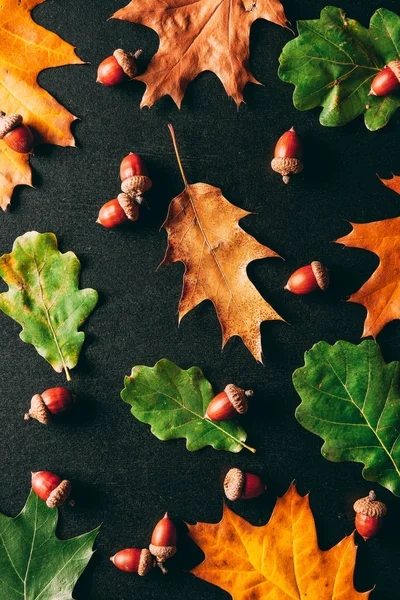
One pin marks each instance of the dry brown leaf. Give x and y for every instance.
(381, 293)
(204, 233)
(280, 560)
(393, 183)
(26, 49)
(197, 36)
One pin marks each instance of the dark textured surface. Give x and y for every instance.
(124, 476)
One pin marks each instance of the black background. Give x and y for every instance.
(123, 476)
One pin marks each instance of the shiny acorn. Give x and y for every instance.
(287, 155)
(228, 404)
(15, 133)
(387, 81)
(308, 279)
(51, 488)
(48, 403)
(369, 515)
(163, 541)
(242, 486)
(118, 67)
(133, 560)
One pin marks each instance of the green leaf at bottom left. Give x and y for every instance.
(34, 563)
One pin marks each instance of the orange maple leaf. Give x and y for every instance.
(204, 233)
(197, 36)
(26, 49)
(381, 293)
(280, 560)
(393, 183)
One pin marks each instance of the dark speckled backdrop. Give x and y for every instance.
(124, 476)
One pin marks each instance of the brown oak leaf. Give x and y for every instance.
(280, 560)
(381, 293)
(26, 49)
(393, 183)
(204, 233)
(197, 36)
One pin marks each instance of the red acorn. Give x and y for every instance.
(228, 404)
(242, 486)
(308, 279)
(118, 68)
(163, 541)
(50, 402)
(287, 155)
(15, 134)
(133, 560)
(51, 488)
(387, 81)
(369, 517)
(114, 212)
(132, 165)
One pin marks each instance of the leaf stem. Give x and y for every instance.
(172, 132)
(67, 373)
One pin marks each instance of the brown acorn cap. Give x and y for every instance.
(286, 166)
(38, 410)
(394, 65)
(162, 553)
(321, 274)
(60, 495)
(8, 123)
(238, 398)
(136, 185)
(129, 206)
(234, 484)
(370, 506)
(127, 61)
(146, 562)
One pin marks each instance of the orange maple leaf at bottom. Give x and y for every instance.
(280, 560)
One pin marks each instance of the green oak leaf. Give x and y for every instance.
(44, 298)
(333, 61)
(351, 399)
(174, 402)
(34, 563)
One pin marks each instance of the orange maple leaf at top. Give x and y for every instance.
(197, 36)
(26, 49)
(280, 560)
(381, 293)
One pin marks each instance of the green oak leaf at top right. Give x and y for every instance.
(333, 61)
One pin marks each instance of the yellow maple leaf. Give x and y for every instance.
(280, 560)
(26, 49)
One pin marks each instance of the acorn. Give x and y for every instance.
(50, 402)
(308, 279)
(242, 486)
(118, 67)
(51, 488)
(228, 404)
(387, 81)
(133, 560)
(15, 133)
(287, 155)
(369, 517)
(163, 541)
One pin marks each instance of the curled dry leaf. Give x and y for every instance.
(280, 560)
(197, 36)
(26, 49)
(204, 233)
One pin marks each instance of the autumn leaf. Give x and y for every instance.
(204, 233)
(393, 183)
(197, 36)
(174, 402)
(333, 61)
(351, 399)
(381, 293)
(34, 563)
(44, 298)
(26, 49)
(280, 560)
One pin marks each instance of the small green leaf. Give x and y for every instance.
(44, 298)
(34, 563)
(333, 62)
(174, 402)
(351, 399)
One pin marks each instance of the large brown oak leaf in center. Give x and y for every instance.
(197, 36)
